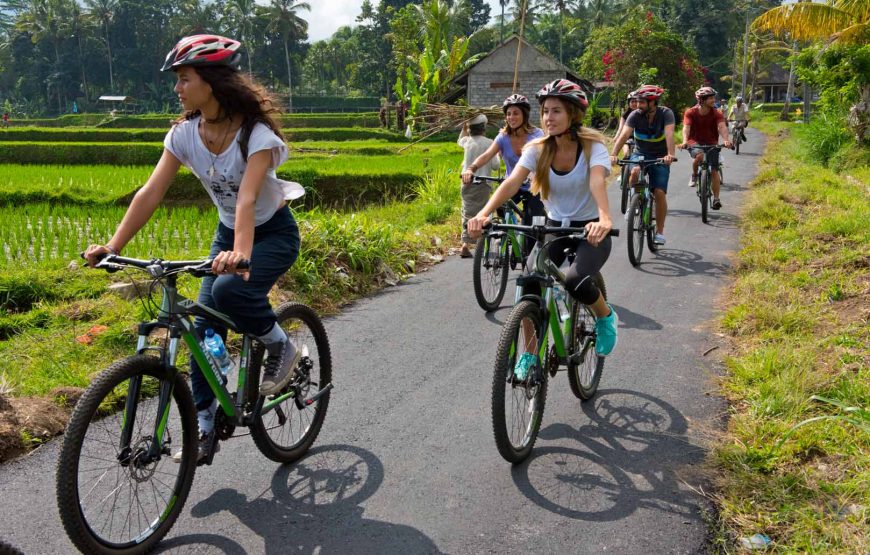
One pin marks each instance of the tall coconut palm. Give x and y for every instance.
(240, 17)
(284, 19)
(840, 22)
(103, 11)
(503, 4)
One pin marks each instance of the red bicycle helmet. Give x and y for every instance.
(202, 51)
(516, 100)
(704, 92)
(565, 89)
(649, 92)
(632, 95)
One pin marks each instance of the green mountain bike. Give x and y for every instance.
(118, 489)
(641, 221)
(560, 334)
(496, 254)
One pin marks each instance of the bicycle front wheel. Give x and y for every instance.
(285, 433)
(704, 192)
(626, 189)
(584, 364)
(112, 497)
(491, 267)
(518, 401)
(635, 230)
(651, 225)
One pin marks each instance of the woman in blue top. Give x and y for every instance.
(509, 143)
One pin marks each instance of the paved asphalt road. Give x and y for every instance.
(406, 462)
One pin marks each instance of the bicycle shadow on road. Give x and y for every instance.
(681, 263)
(315, 505)
(633, 454)
(717, 219)
(634, 320)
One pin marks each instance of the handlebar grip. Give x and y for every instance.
(614, 233)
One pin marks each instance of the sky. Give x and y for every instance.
(327, 16)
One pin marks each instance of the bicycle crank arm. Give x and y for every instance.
(311, 400)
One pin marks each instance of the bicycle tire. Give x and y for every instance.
(704, 190)
(635, 230)
(504, 384)
(585, 376)
(490, 283)
(625, 177)
(651, 228)
(96, 407)
(261, 426)
(735, 140)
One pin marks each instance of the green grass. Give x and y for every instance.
(46, 305)
(798, 320)
(99, 134)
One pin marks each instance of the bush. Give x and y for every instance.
(850, 156)
(116, 154)
(824, 136)
(37, 134)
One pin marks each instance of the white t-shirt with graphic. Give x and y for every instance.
(222, 185)
(570, 197)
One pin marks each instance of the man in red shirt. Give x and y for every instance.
(703, 125)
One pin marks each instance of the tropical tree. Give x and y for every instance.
(103, 12)
(841, 22)
(285, 20)
(239, 15)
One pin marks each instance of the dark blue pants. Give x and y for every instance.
(276, 246)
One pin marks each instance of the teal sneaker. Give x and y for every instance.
(524, 364)
(605, 332)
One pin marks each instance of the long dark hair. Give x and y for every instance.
(526, 125)
(238, 95)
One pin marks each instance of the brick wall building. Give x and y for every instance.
(490, 80)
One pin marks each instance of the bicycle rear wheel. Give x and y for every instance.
(112, 499)
(285, 433)
(518, 405)
(735, 140)
(704, 192)
(491, 267)
(635, 230)
(584, 364)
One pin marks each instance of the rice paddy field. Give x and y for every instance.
(64, 186)
(369, 214)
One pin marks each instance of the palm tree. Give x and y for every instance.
(284, 19)
(840, 22)
(103, 11)
(502, 3)
(48, 19)
(239, 14)
(194, 18)
(79, 26)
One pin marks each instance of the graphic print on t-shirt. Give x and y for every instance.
(224, 190)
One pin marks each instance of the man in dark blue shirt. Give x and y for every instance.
(653, 129)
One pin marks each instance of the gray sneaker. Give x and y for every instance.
(205, 445)
(280, 367)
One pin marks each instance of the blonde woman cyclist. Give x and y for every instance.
(570, 164)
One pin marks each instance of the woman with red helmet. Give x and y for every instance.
(509, 144)
(703, 124)
(570, 165)
(228, 138)
(652, 127)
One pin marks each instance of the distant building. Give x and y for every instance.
(489, 81)
(119, 104)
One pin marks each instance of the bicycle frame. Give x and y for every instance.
(174, 316)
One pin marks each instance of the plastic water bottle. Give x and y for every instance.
(216, 347)
(561, 298)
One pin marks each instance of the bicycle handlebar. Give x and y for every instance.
(158, 267)
(655, 162)
(478, 179)
(547, 230)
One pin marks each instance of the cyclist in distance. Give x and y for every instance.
(570, 164)
(509, 143)
(474, 195)
(703, 125)
(653, 129)
(739, 114)
(632, 106)
(228, 138)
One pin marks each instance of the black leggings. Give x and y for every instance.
(580, 277)
(532, 206)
